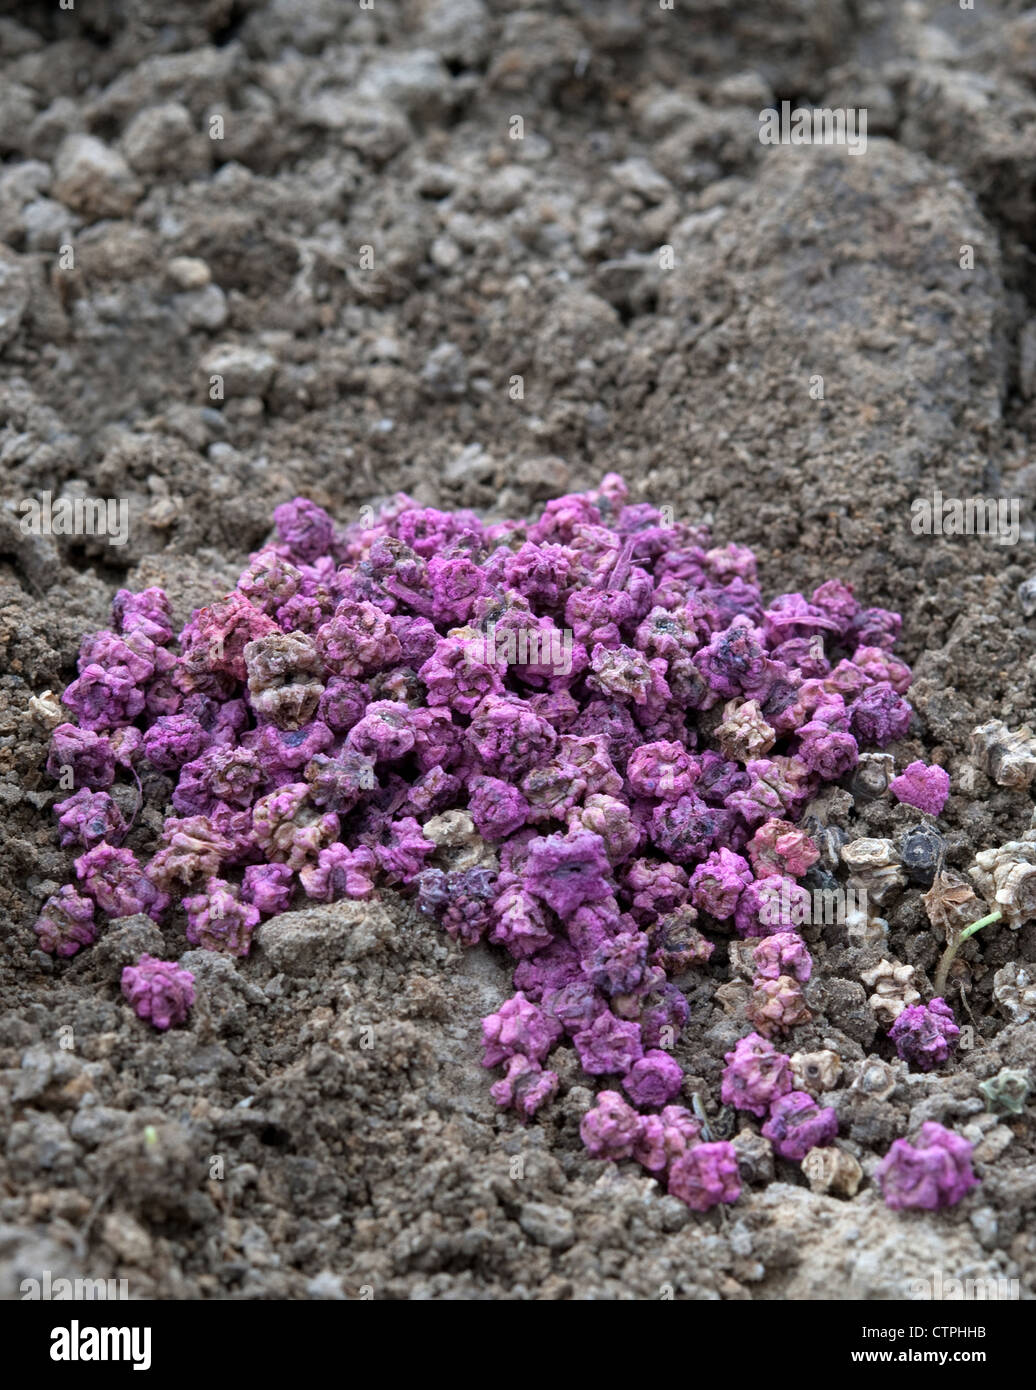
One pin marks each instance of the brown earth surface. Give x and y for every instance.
(334, 1077)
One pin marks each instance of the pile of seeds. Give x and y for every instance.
(585, 739)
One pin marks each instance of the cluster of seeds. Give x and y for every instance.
(591, 723)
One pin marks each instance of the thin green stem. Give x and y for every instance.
(953, 945)
(977, 926)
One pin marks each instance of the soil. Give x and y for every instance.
(323, 1128)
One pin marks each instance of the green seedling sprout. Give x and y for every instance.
(954, 941)
(946, 902)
